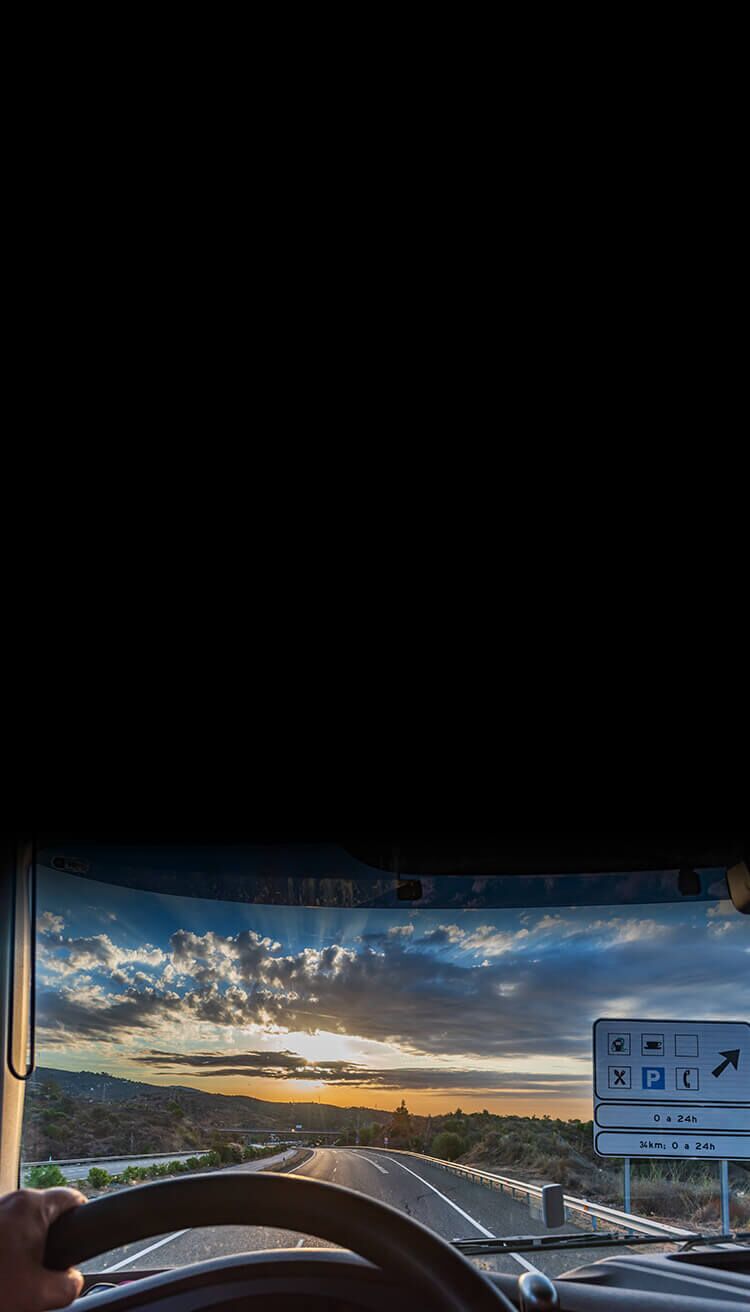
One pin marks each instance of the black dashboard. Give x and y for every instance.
(701, 1280)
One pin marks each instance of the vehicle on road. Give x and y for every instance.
(351, 1074)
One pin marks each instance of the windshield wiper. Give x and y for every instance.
(598, 1239)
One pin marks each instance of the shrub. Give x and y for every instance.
(46, 1177)
(448, 1145)
(98, 1177)
(230, 1152)
(132, 1173)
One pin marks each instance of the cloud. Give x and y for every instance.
(724, 907)
(286, 1065)
(69, 1015)
(724, 918)
(48, 923)
(476, 1000)
(483, 940)
(209, 958)
(66, 956)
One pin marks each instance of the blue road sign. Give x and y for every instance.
(653, 1077)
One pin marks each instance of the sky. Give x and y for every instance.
(470, 1008)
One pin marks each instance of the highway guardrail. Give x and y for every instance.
(118, 1157)
(580, 1207)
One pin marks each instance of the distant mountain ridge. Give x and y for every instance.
(211, 1108)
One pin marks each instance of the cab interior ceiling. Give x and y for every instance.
(391, 869)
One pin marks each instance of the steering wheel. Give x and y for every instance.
(407, 1252)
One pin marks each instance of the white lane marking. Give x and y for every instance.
(461, 1211)
(160, 1242)
(300, 1242)
(449, 1201)
(142, 1252)
(306, 1162)
(529, 1265)
(377, 1165)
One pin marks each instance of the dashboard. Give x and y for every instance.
(701, 1280)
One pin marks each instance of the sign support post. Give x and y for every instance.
(627, 1184)
(725, 1223)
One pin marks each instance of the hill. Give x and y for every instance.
(97, 1114)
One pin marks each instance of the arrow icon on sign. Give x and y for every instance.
(732, 1056)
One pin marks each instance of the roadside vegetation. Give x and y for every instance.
(98, 1177)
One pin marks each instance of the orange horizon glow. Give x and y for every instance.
(420, 1102)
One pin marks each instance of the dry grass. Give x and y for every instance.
(558, 1152)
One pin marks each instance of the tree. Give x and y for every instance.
(400, 1128)
(231, 1152)
(448, 1145)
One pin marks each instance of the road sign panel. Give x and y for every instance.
(651, 1143)
(651, 1076)
(666, 1117)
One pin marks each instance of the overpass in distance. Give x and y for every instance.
(277, 1134)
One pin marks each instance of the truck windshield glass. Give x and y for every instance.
(372, 1046)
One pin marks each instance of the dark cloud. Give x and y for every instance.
(63, 1016)
(288, 1065)
(283, 1065)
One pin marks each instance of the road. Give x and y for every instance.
(455, 1208)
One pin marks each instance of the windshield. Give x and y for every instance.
(436, 1058)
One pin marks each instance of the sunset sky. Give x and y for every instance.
(443, 1008)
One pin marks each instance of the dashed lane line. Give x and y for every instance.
(142, 1251)
(377, 1165)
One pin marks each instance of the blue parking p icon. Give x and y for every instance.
(652, 1077)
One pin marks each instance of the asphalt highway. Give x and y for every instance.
(455, 1208)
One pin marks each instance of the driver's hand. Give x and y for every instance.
(25, 1218)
